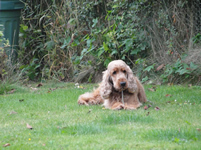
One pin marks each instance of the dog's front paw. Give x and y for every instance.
(118, 107)
(82, 102)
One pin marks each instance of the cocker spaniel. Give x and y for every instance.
(119, 89)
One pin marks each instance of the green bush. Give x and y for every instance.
(60, 39)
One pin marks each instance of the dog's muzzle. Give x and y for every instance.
(123, 84)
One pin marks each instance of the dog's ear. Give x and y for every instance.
(132, 85)
(106, 85)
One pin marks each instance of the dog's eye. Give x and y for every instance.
(124, 71)
(114, 72)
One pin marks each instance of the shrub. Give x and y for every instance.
(61, 38)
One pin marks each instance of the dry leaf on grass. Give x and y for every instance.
(151, 89)
(145, 107)
(11, 91)
(157, 108)
(13, 112)
(39, 85)
(198, 129)
(5, 145)
(29, 126)
(147, 113)
(21, 100)
(168, 95)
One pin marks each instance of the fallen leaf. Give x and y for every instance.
(29, 127)
(21, 100)
(11, 91)
(39, 85)
(168, 102)
(189, 85)
(145, 107)
(44, 144)
(157, 108)
(168, 95)
(160, 67)
(5, 145)
(13, 112)
(151, 89)
(149, 106)
(198, 129)
(147, 113)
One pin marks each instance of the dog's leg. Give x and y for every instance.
(90, 98)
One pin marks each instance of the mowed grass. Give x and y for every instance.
(60, 123)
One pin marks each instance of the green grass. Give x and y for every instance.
(59, 123)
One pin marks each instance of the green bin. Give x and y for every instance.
(10, 11)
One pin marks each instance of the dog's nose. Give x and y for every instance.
(122, 84)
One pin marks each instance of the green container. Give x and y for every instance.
(10, 11)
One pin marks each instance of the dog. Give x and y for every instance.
(119, 89)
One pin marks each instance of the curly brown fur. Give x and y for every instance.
(117, 78)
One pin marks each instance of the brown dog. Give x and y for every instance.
(118, 81)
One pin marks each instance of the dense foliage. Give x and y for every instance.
(75, 40)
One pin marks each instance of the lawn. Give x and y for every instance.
(59, 123)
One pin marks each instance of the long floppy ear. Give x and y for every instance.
(132, 84)
(106, 85)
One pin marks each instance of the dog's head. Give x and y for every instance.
(119, 77)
